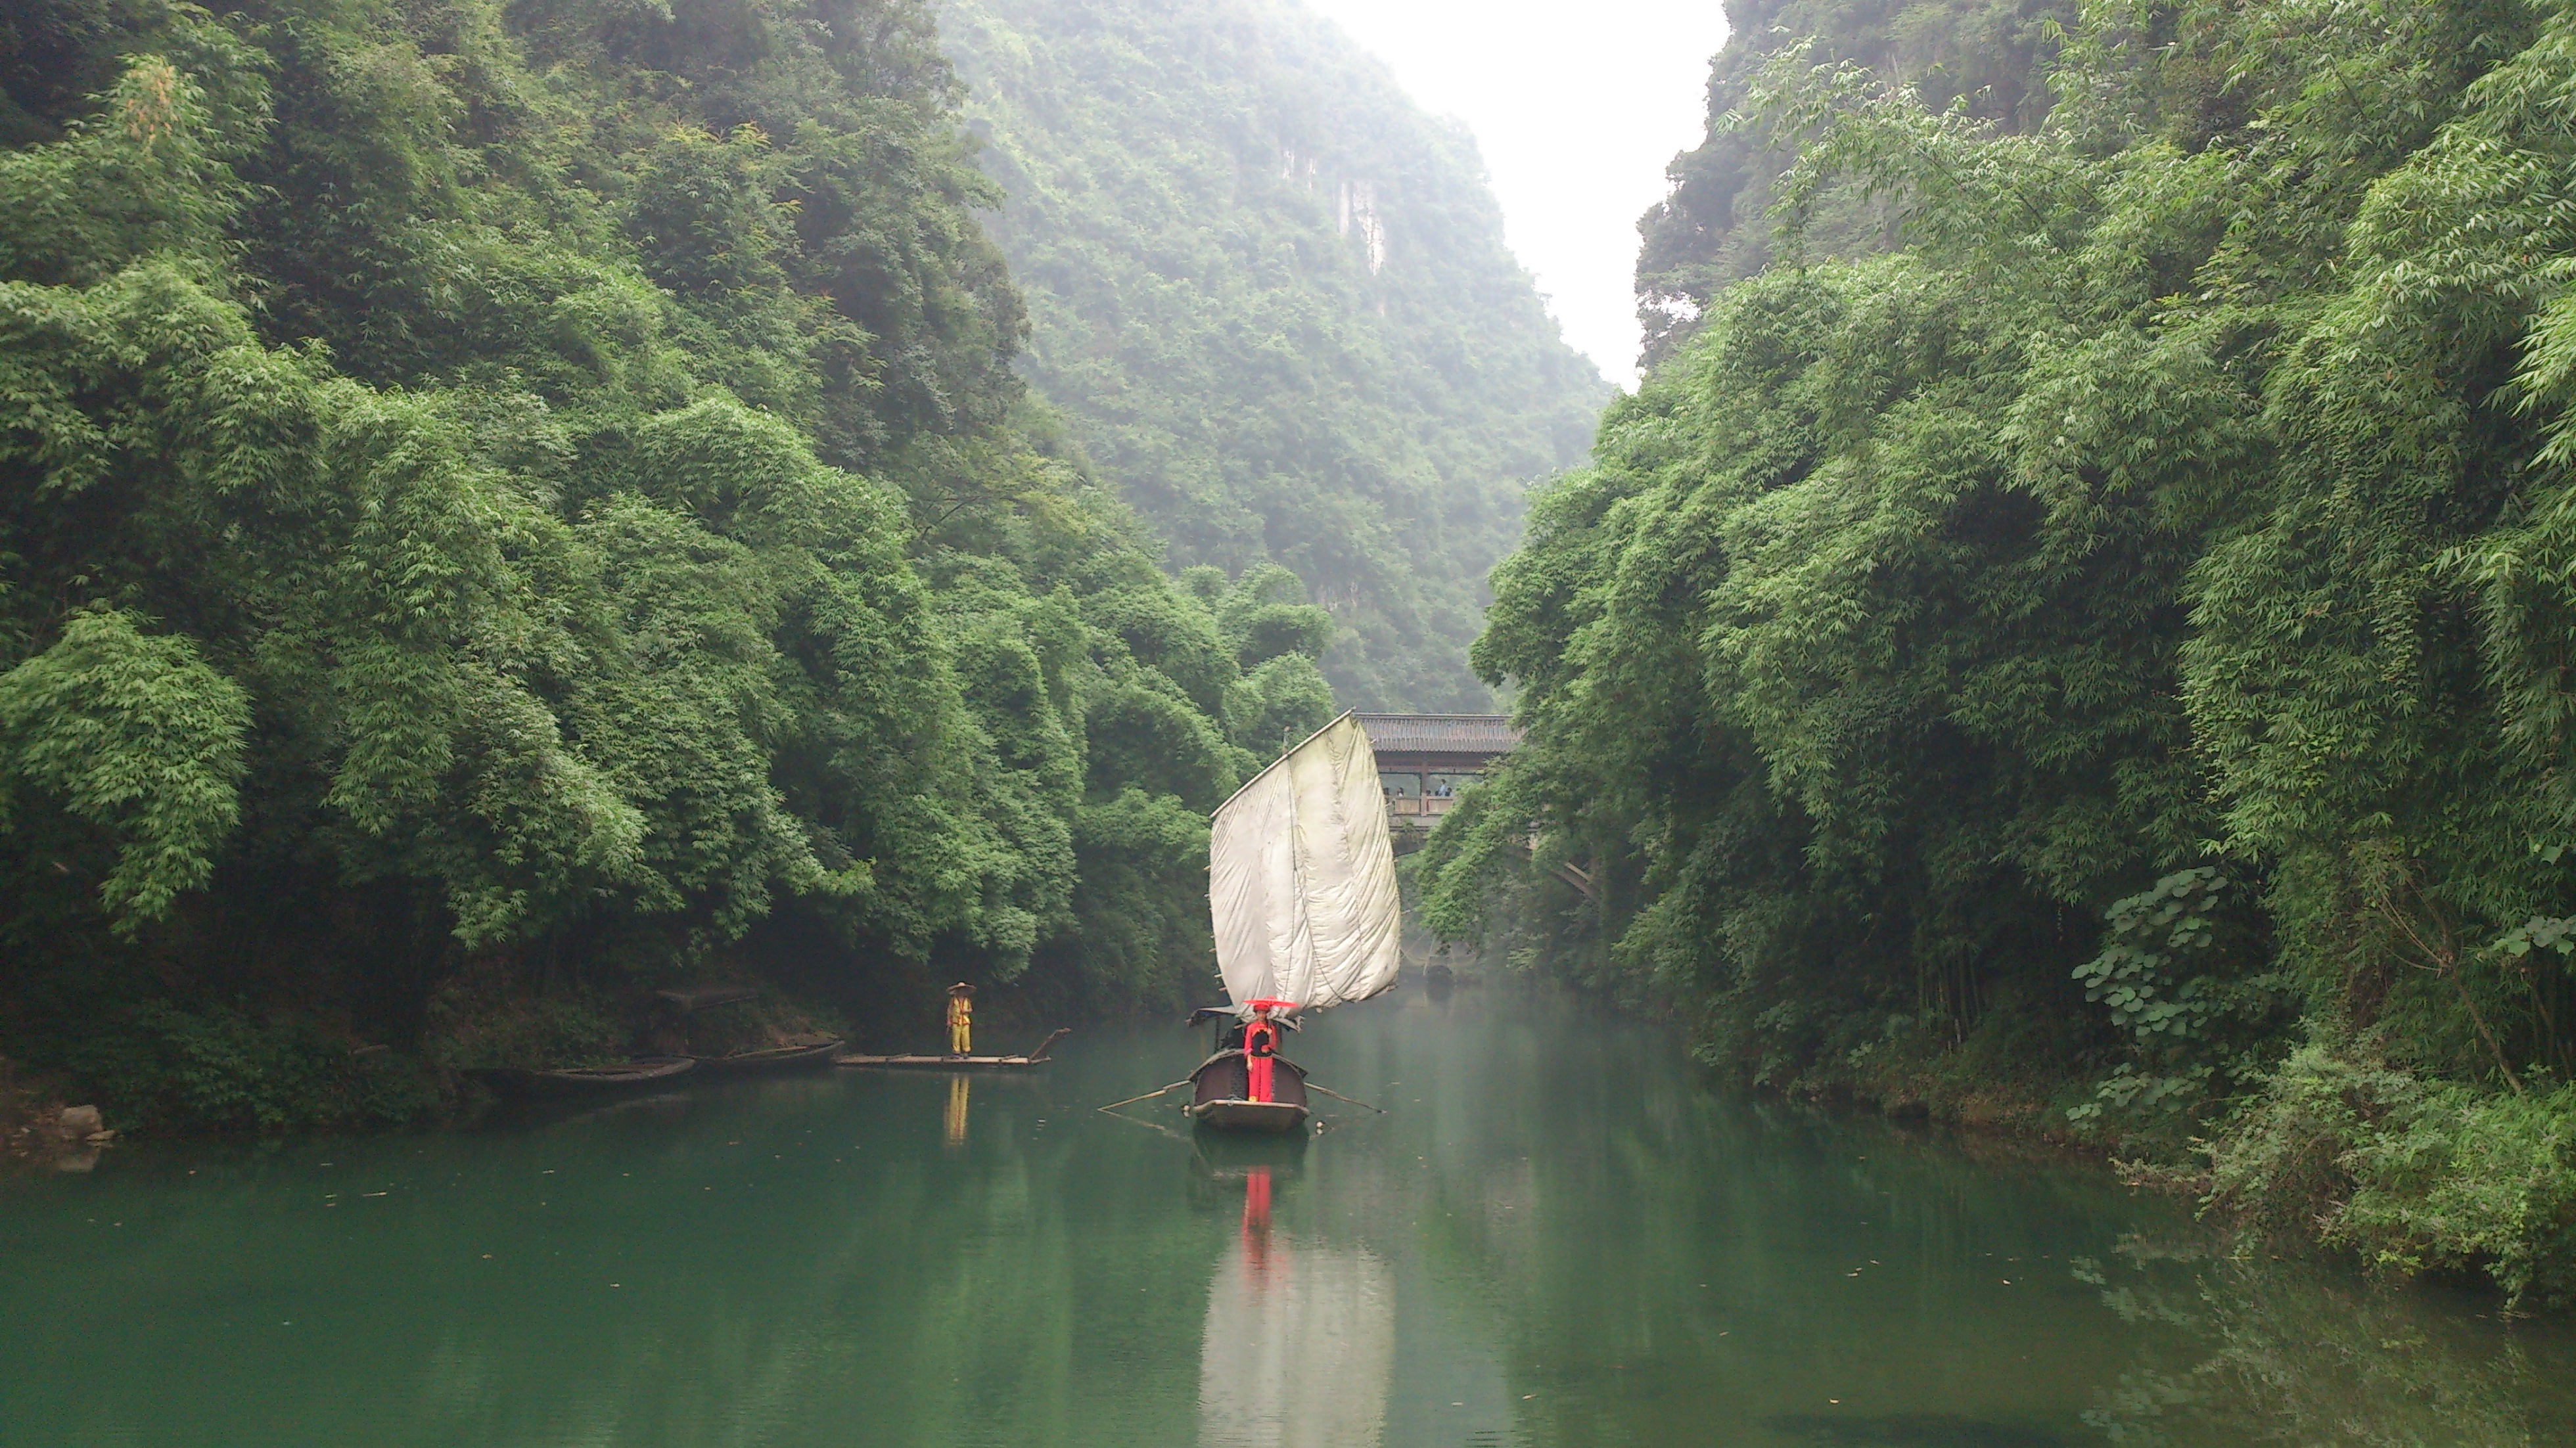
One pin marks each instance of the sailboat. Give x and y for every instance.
(1302, 890)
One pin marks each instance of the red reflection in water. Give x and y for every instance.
(1258, 1265)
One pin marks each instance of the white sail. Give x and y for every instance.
(1301, 878)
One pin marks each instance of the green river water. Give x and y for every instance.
(1562, 1234)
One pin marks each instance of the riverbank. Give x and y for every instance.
(2383, 1170)
(22, 1109)
(166, 1071)
(40, 1126)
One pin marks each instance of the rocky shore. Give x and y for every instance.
(37, 1129)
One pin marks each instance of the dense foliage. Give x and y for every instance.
(1274, 301)
(1713, 227)
(505, 506)
(2117, 642)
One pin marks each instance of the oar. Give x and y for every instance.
(1329, 1091)
(1148, 1096)
(1153, 1126)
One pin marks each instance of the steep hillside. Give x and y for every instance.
(1275, 300)
(504, 507)
(2102, 658)
(1714, 228)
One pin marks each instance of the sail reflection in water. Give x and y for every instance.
(1299, 1347)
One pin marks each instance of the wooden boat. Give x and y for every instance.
(780, 1058)
(1302, 891)
(527, 1085)
(1220, 1096)
(699, 998)
(1037, 1057)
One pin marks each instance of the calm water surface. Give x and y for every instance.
(1562, 1235)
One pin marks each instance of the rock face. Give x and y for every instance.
(1273, 301)
(77, 1123)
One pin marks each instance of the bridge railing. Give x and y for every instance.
(1419, 807)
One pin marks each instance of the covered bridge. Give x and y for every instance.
(1423, 759)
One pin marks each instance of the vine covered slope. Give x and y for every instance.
(503, 507)
(1713, 227)
(2105, 660)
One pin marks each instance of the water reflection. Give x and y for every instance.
(1909, 1430)
(1562, 1237)
(2294, 1352)
(1299, 1346)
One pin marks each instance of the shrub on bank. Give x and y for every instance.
(161, 1065)
(2411, 1174)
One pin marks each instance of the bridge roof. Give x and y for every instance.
(1441, 733)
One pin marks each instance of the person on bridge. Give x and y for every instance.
(961, 1019)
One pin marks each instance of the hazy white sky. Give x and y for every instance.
(1577, 109)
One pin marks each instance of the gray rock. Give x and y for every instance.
(77, 1122)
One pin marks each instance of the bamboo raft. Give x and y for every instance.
(1037, 1057)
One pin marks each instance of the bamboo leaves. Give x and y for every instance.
(134, 733)
(2180, 498)
(607, 532)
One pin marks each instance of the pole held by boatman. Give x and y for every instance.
(961, 1019)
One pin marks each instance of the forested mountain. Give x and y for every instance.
(2106, 658)
(1274, 300)
(505, 506)
(1714, 227)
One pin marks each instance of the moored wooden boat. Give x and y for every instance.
(1037, 1057)
(523, 1084)
(779, 1058)
(698, 998)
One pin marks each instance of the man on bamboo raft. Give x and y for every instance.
(961, 1019)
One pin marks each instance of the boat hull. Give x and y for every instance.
(789, 1058)
(1220, 1098)
(519, 1085)
(1265, 1117)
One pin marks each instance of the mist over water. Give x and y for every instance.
(1561, 1235)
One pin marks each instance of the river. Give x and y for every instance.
(1560, 1234)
